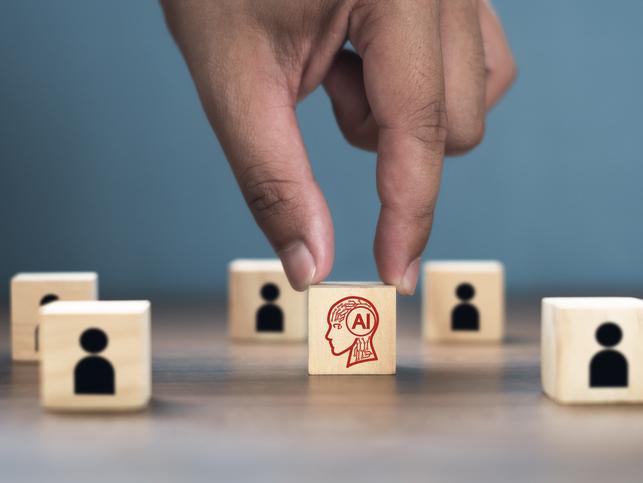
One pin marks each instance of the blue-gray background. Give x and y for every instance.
(107, 161)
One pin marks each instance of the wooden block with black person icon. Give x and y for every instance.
(463, 301)
(29, 292)
(592, 349)
(351, 328)
(95, 356)
(262, 306)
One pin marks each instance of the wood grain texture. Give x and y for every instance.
(27, 292)
(126, 326)
(250, 412)
(569, 343)
(440, 300)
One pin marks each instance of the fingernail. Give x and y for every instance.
(299, 265)
(409, 280)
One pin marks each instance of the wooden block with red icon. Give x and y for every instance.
(351, 328)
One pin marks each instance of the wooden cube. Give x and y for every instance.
(592, 350)
(29, 291)
(95, 355)
(351, 328)
(463, 301)
(261, 303)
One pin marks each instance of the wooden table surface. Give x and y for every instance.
(225, 411)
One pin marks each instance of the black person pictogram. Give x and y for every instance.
(94, 374)
(270, 318)
(464, 315)
(47, 299)
(608, 367)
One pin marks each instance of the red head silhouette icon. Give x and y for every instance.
(352, 322)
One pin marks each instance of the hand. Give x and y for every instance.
(425, 73)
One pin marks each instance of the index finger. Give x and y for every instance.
(399, 42)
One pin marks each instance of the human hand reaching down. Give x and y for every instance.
(424, 75)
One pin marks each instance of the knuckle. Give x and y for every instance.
(361, 138)
(366, 14)
(428, 124)
(466, 134)
(423, 214)
(267, 193)
(358, 128)
(416, 213)
(512, 72)
(505, 69)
